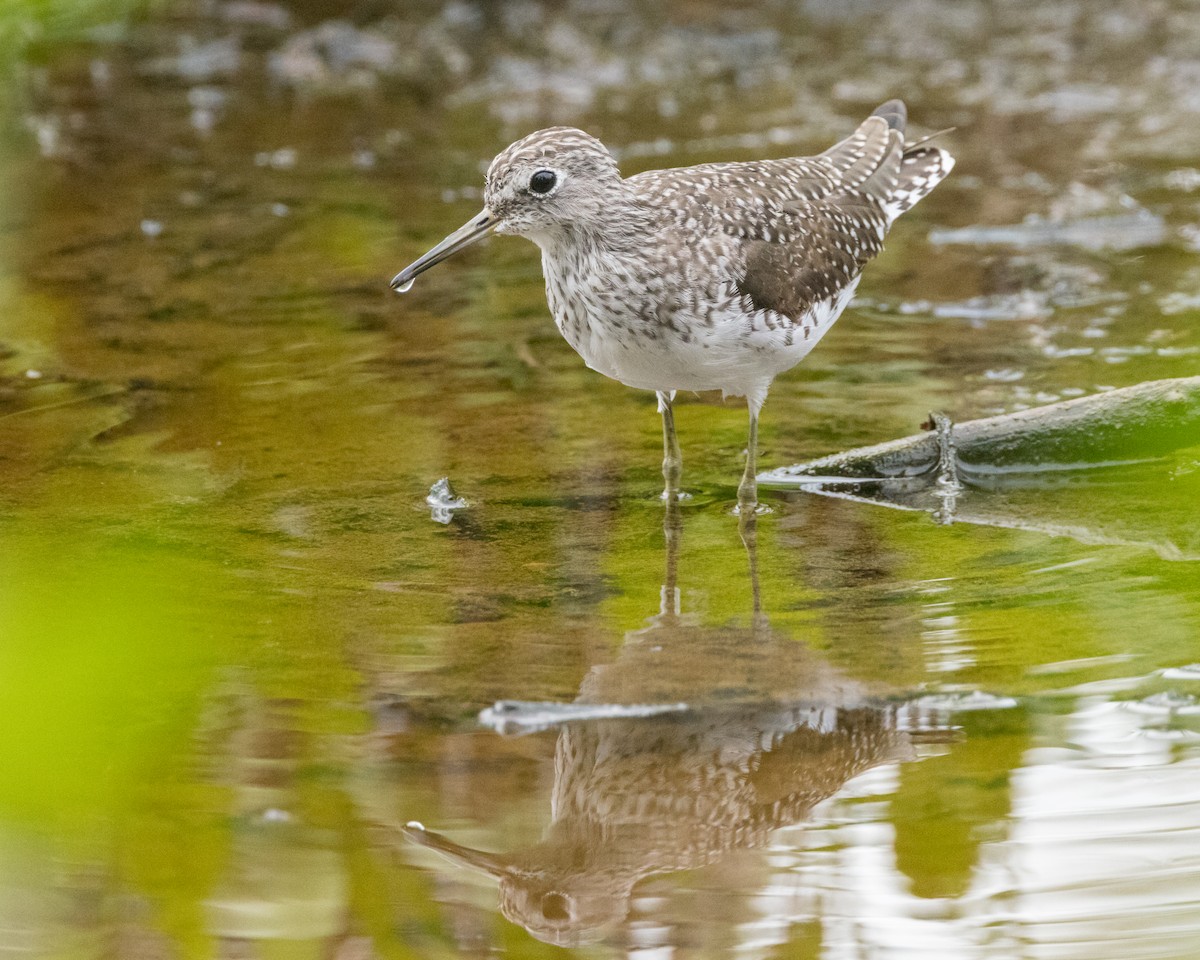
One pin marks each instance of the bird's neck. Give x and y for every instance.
(612, 234)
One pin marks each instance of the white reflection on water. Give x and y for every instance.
(1100, 859)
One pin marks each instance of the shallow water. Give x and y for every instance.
(240, 656)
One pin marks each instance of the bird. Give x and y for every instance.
(758, 729)
(719, 276)
(638, 798)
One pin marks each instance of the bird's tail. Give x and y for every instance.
(922, 168)
(867, 160)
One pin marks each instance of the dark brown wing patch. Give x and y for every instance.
(813, 253)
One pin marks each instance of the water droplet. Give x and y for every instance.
(405, 286)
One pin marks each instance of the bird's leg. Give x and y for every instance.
(672, 521)
(748, 511)
(747, 503)
(748, 527)
(672, 466)
(672, 535)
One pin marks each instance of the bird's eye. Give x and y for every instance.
(543, 181)
(556, 907)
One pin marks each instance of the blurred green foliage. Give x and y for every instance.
(38, 27)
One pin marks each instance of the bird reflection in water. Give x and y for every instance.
(770, 731)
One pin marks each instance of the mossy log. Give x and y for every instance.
(1121, 467)
(1129, 425)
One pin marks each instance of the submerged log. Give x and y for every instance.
(1129, 425)
(1111, 468)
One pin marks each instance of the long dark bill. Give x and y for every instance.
(490, 863)
(474, 229)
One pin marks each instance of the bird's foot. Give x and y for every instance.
(748, 504)
(679, 496)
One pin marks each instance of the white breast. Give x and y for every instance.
(629, 328)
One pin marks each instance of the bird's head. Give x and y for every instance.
(540, 187)
(563, 893)
(550, 180)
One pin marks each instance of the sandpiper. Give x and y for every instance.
(714, 277)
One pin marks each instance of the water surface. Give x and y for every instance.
(240, 656)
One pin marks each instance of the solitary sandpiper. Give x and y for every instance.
(714, 277)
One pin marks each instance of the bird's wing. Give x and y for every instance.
(867, 161)
(867, 157)
(796, 231)
(727, 190)
(800, 252)
(807, 253)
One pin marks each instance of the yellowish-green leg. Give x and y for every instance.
(672, 466)
(747, 503)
